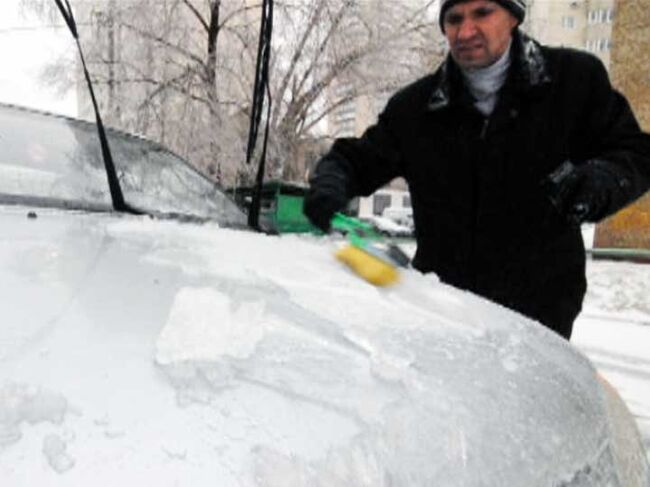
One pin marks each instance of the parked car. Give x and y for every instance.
(175, 348)
(400, 214)
(387, 226)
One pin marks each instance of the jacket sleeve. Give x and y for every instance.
(362, 165)
(615, 140)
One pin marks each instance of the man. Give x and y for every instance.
(507, 148)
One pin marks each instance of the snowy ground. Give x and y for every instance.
(614, 331)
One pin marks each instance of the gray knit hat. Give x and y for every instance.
(516, 7)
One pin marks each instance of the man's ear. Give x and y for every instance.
(514, 23)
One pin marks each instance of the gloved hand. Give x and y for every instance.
(321, 202)
(581, 193)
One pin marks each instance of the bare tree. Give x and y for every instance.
(181, 71)
(369, 48)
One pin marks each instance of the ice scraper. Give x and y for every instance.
(367, 254)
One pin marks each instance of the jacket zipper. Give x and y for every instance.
(486, 122)
(478, 162)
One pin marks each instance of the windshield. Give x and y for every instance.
(58, 161)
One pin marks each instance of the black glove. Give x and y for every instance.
(582, 193)
(324, 198)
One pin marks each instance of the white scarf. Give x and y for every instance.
(484, 83)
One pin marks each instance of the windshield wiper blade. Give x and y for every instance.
(261, 90)
(117, 196)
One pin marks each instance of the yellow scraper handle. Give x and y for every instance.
(373, 269)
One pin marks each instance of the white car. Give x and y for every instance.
(387, 226)
(400, 214)
(174, 348)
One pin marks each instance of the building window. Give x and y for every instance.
(344, 89)
(599, 16)
(598, 45)
(406, 201)
(569, 22)
(379, 203)
(604, 45)
(345, 129)
(593, 14)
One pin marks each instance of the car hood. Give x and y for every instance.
(136, 351)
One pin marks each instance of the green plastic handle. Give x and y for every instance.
(364, 236)
(359, 233)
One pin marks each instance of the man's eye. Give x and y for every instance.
(453, 19)
(482, 12)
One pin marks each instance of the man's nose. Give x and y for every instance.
(467, 29)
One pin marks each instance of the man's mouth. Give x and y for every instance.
(469, 48)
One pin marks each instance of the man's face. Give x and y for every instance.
(478, 31)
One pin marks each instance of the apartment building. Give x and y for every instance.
(580, 24)
(398, 61)
(395, 64)
(630, 61)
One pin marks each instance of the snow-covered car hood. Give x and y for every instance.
(143, 352)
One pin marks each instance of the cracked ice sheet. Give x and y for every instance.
(288, 368)
(191, 334)
(297, 339)
(274, 344)
(215, 366)
(22, 404)
(362, 378)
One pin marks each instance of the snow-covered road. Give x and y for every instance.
(614, 331)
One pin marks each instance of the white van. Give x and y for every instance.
(402, 215)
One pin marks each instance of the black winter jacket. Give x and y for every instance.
(483, 222)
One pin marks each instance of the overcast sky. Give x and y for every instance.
(26, 44)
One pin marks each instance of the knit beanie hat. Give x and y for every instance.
(516, 7)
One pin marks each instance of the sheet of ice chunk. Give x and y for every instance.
(205, 325)
(432, 401)
(22, 403)
(55, 450)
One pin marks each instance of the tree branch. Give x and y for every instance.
(197, 14)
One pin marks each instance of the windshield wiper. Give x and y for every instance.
(117, 196)
(261, 90)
